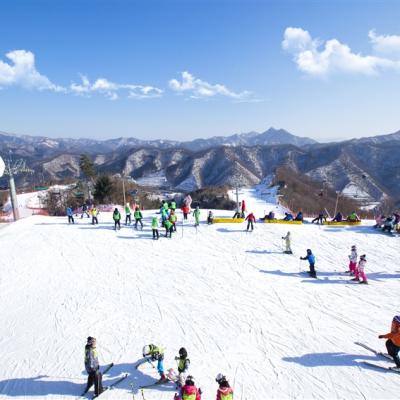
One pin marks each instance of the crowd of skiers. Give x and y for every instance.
(185, 383)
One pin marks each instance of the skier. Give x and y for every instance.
(169, 228)
(311, 260)
(70, 214)
(287, 243)
(173, 205)
(154, 227)
(173, 218)
(127, 214)
(251, 219)
(189, 391)
(393, 342)
(84, 210)
(196, 214)
(92, 367)
(359, 271)
(243, 209)
(224, 391)
(117, 219)
(156, 353)
(164, 216)
(94, 213)
(353, 260)
(183, 365)
(138, 217)
(187, 201)
(210, 218)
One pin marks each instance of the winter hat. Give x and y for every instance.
(309, 251)
(220, 378)
(363, 257)
(189, 380)
(396, 318)
(90, 340)
(183, 352)
(353, 247)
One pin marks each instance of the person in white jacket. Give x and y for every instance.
(360, 270)
(353, 260)
(287, 243)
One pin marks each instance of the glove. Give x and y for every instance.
(380, 336)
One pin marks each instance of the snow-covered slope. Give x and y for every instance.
(232, 298)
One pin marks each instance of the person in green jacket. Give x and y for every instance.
(173, 218)
(169, 227)
(117, 219)
(196, 214)
(173, 205)
(154, 227)
(127, 214)
(138, 217)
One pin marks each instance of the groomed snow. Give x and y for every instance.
(232, 298)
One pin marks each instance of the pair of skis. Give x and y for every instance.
(380, 354)
(106, 369)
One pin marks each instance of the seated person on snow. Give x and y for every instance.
(338, 217)
(299, 216)
(288, 217)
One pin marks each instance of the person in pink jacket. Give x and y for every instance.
(189, 391)
(224, 391)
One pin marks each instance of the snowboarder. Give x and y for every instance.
(269, 217)
(393, 342)
(321, 217)
(189, 391)
(299, 216)
(287, 243)
(70, 215)
(251, 219)
(311, 260)
(288, 217)
(353, 260)
(127, 214)
(169, 228)
(183, 365)
(92, 367)
(224, 391)
(85, 210)
(338, 217)
(388, 224)
(156, 353)
(94, 213)
(359, 271)
(210, 218)
(138, 217)
(154, 227)
(196, 214)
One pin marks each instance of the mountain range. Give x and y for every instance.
(367, 168)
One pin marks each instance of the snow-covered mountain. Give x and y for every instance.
(232, 299)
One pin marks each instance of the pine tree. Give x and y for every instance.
(103, 189)
(87, 167)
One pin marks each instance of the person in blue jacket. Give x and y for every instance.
(70, 214)
(299, 216)
(311, 260)
(288, 217)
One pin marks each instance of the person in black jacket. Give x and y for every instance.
(92, 367)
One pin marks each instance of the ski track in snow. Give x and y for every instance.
(232, 298)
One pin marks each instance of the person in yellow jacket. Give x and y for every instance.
(94, 213)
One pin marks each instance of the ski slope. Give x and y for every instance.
(237, 304)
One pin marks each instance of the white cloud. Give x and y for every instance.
(197, 88)
(111, 90)
(21, 71)
(385, 44)
(334, 57)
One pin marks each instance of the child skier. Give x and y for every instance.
(154, 227)
(251, 219)
(138, 217)
(393, 342)
(70, 214)
(224, 391)
(196, 214)
(210, 218)
(92, 367)
(359, 271)
(189, 391)
(94, 213)
(156, 353)
(117, 219)
(127, 214)
(173, 219)
(169, 228)
(353, 260)
(287, 243)
(311, 260)
(84, 210)
(183, 365)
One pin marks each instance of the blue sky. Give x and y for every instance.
(180, 70)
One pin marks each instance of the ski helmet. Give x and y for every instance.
(309, 251)
(183, 352)
(363, 257)
(146, 350)
(396, 318)
(189, 380)
(354, 246)
(220, 378)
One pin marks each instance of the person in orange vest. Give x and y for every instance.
(224, 391)
(393, 342)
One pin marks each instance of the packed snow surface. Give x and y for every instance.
(236, 303)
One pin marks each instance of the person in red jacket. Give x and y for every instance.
(189, 391)
(393, 342)
(224, 391)
(243, 208)
(250, 220)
